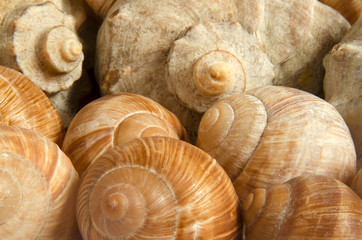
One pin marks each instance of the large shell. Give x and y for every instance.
(23, 104)
(305, 207)
(157, 188)
(38, 188)
(357, 183)
(41, 42)
(343, 82)
(271, 134)
(115, 119)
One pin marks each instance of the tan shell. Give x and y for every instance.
(357, 183)
(305, 207)
(157, 188)
(38, 187)
(41, 42)
(271, 134)
(343, 82)
(101, 8)
(115, 119)
(350, 9)
(23, 104)
(213, 61)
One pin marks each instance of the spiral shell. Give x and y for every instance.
(23, 104)
(271, 134)
(115, 119)
(212, 61)
(157, 188)
(41, 42)
(357, 183)
(305, 207)
(38, 187)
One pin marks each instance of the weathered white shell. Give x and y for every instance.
(343, 82)
(23, 104)
(305, 207)
(113, 120)
(38, 188)
(41, 42)
(271, 134)
(157, 188)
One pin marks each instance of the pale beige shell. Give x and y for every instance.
(213, 61)
(41, 42)
(157, 188)
(343, 82)
(23, 104)
(115, 119)
(350, 9)
(271, 134)
(305, 207)
(357, 183)
(38, 188)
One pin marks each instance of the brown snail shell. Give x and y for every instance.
(305, 207)
(357, 183)
(271, 134)
(23, 104)
(157, 188)
(38, 187)
(42, 43)
(115, 119)
(212, 61)
(350, 9)
(343, 82)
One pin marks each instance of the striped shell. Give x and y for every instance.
(271, 134)
(23, 104)
(38, 187)
(115, 119)
(157, 188)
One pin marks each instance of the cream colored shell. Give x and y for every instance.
(23, 104)
(343, 82)
(157, 188)
(113, 120)
(213, 61)
(305, 207)
(271, 134)
(41, 42)
(38, 188)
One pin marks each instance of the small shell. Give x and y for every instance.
(305, 207)
(157, 188)
(23, 104)
(38, 188)
(212, 61)
(115, 119)
(41, 42)
(357, 183)
(350, 9)
(271, 134)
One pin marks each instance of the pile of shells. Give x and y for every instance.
(145, 119)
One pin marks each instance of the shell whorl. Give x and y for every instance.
(23, 104)
(113, 120)
(38, 187)
(138, 189)
(278, 133)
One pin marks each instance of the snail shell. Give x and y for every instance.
(357, 183)
(305, 207)
(38, 187)
(113, 120)
(350, 9)
(213, 61)
(157, 188)
(343, 82)
(23, 104)
(271, 134)
(41, 42)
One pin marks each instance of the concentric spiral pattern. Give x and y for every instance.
(157, 188)
(38, 187)
(113, 120)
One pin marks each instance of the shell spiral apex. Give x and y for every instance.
(155, 188)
